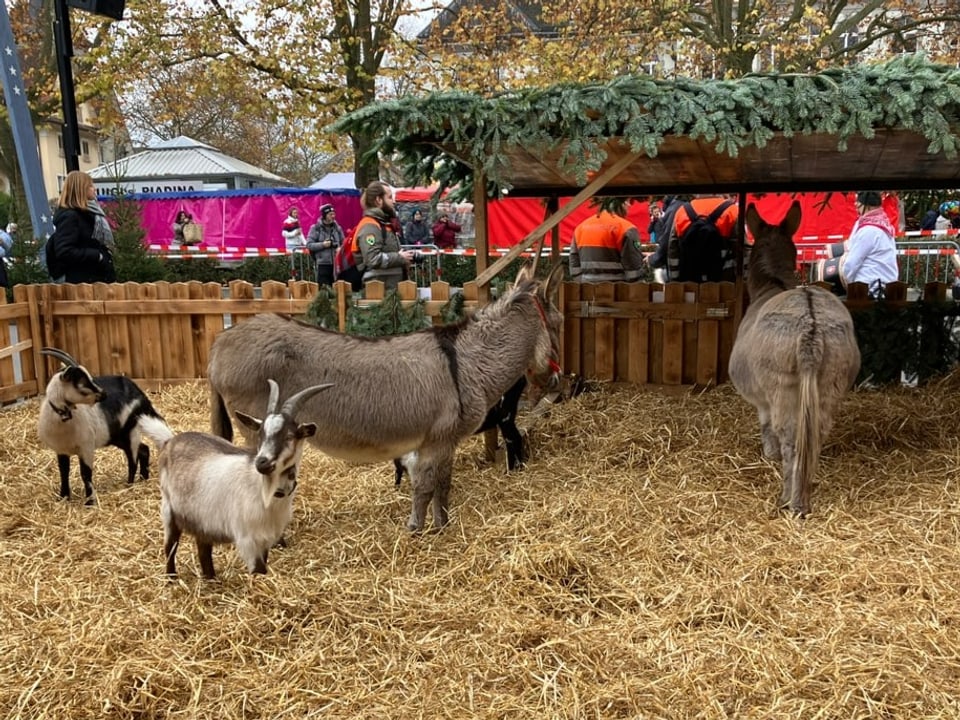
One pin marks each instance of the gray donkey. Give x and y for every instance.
(415, 395)
(794, 358)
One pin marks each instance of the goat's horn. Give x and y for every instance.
(60, 355)
(293, 402)
(274, 396)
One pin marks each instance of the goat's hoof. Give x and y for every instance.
(91, 501)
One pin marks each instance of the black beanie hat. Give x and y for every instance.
(870, 198)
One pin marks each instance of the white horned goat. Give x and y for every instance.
(81, 413)
(221, 493)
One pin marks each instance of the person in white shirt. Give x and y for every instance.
(871, 256)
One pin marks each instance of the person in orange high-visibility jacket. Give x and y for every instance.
(606, 248)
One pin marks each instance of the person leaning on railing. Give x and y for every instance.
(871, 256)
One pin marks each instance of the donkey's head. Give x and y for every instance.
(773, 259)
(544, 369)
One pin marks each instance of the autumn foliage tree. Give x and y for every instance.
(301, 62)
(497, 44)
(263, 80)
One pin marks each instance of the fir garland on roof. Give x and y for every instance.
(907, 93)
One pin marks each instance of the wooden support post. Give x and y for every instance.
(482, 241)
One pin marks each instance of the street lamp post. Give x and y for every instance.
(64, 40)
(71, 128)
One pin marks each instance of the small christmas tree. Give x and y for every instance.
(389, 317)
(131, 258)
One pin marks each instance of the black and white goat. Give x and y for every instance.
(221, 493)
(503, 415)
(81, 413)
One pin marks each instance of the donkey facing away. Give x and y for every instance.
(794, 357)
(415, 395)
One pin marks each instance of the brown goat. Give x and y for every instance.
(417, 395)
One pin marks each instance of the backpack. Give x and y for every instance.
(702, 247)
(343, 258)
(55, 267)
(348, 260)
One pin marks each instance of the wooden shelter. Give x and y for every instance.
(890, 126)
(887, 126)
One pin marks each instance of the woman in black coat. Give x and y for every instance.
(80, 250)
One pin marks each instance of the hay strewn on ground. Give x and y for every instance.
(633, 570)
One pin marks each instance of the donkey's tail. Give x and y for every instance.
(219, 417)
(810, 347)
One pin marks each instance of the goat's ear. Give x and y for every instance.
(248, 420)
(305, 430)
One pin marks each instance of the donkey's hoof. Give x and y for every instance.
(414, 527)
(785, 508)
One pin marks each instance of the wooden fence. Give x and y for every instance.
(156, 333)
(671, 335)
(160, 333)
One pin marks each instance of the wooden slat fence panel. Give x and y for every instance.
(117, 334)
(18, 327)
(708, 340)
(205, 325)
(572, 329)
(587, 334)
(691, 331)
(673, 336)
(657, 331)
(6, 360)
(728, 332)
(149, 334)
(157, 333)
(603, 339)
(658, 301)
(132, 329)
(240, 290)
(636, 369)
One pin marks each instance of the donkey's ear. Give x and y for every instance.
(754, 222)
(525, 274)
(791, 222)
(552, 289)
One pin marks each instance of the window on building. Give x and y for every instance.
(906, 41)
(85, 150)
(60, 144)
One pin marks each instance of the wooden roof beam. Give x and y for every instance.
(554, 220)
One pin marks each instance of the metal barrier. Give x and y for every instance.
(926, 261)
(936, 259)
(428, 269)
